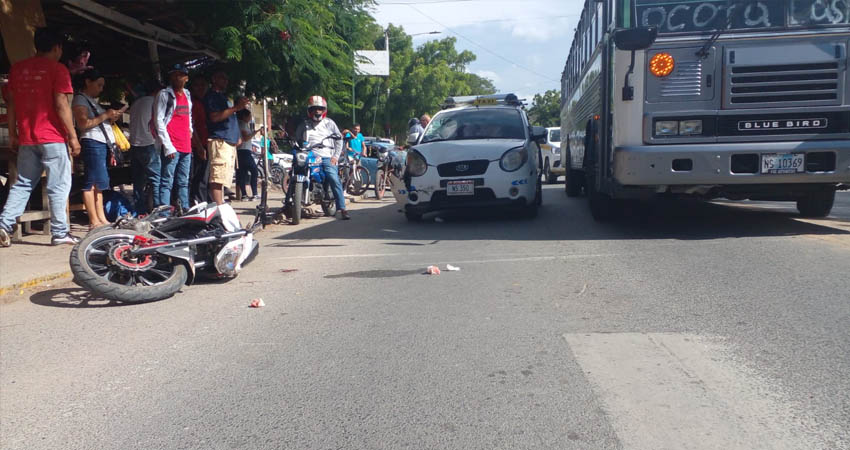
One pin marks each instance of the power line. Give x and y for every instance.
(519, 19)
(512, 63)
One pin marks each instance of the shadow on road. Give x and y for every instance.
(74, 298)
(563, 218)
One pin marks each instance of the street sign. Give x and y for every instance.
(372, 62)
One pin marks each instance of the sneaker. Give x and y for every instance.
(344, 215)
(5, 239)
(67, 239)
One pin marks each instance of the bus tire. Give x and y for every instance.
(602, 206)
(817, 203)
(547, 172)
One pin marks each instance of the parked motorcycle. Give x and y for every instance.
(308, 184)
(151, 258)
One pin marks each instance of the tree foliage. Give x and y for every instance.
(291, 49)
(546, 110)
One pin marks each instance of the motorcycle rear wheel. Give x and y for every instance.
(99, 266)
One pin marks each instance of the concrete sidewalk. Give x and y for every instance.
(34, 262)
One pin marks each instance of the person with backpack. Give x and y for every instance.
(173, 109)
(145, 161)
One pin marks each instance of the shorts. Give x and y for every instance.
(222, 162)
(94, 161)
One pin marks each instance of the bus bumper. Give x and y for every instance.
(725, 164)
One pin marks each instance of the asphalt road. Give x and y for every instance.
(682, 326)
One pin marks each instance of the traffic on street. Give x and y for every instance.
(450, 224)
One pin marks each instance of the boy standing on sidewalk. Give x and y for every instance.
(173, 108)
(40, 124)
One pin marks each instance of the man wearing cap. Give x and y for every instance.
(173, 107)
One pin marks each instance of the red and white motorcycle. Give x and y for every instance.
(151, 258)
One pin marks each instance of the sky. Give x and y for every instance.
(521, 45)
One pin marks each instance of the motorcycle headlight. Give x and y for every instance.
(416, 164)
(301, 158)
(513, 159)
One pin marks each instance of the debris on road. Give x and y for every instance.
(452, 268)
(439, 219)
(257, 303)
(432, 270)
(288, 270)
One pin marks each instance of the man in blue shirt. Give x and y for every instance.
(356, 142)
(223, 135)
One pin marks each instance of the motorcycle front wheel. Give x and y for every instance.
(102, 264)
(297, 202)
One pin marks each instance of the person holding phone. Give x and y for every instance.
(94, 125)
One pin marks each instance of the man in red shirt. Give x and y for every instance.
(40, 125)
(173, 109)
(200, 168)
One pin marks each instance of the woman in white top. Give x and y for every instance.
(247, 169)
(94, 127)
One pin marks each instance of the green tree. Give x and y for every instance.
(546, 110)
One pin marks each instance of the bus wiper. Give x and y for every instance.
(706, 48)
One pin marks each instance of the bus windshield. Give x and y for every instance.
(689, 16)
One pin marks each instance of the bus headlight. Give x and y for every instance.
(513, 159)
(690, 127)
(416, 164)
(667, 128)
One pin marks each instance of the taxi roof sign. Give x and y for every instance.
(483, 100)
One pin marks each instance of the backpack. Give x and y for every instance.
(168, 108)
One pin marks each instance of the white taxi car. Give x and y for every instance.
(478, 152)
(552, 155)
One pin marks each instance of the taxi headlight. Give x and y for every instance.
(416, 164)
(513, 159)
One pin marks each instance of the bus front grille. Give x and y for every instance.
(784, 85)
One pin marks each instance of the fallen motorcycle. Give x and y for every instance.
(138, 260)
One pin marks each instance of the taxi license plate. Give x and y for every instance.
(463, 187)
(783, 163)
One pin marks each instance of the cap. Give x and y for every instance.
(178, 68)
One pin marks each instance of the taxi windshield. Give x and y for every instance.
(475, 123)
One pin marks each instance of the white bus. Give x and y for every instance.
(742, 99)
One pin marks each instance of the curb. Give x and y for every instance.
(31, 283)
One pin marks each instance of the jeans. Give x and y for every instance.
(32, 161)
(94, 155)
(247, 170)
(175, 173)
(332, 172)
(146, 166)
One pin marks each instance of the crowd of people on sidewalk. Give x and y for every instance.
(182, 146)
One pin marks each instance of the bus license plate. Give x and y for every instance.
(783, 163)
(463, 187)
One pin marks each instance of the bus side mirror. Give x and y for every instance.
(632, 39)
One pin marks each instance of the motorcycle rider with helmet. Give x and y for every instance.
(319, 129)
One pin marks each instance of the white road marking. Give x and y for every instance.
(683, 392)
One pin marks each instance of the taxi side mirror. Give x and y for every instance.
(538, 134)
